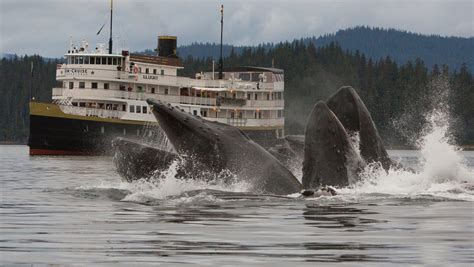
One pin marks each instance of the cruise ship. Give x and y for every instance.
(103, 96)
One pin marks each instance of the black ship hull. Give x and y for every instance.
(53, 132)
(49, 135)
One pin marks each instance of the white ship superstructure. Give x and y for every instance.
(103, 96)
(98, 84)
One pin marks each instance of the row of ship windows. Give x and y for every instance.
(124, 132)
(275, 96)
(235, 95)
(248, 76)
(132, 108)
(257, 114)
(94, 60)
(138, 109)
(108, 61)
(147, 70)
(99, 105)
(96, 85)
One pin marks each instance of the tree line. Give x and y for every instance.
(374, 43)
(22, 78)
(398, 96)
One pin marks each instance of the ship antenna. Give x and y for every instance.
(221, 63)
(110, 39)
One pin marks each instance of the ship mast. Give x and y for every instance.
(221, 63)
(110, 39)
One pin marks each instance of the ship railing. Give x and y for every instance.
(202, 101)
(225, 101)
(237, 121)
(58, 91)
(266, 103)
(101, 93)
(92, 112)
(251, 122)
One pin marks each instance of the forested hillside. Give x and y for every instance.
(398, 96)
(374, 43)
(21, 77)
(404, 46)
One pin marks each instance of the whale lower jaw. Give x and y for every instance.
(331, 157)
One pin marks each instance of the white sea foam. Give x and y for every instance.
(442, 172)
(167, 185)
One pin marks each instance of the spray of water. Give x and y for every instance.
(167, 184)
(442, 172)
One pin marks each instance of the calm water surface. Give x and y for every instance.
(75, 210)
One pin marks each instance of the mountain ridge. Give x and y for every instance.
(375, 43)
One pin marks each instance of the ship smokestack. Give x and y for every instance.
(167, 46)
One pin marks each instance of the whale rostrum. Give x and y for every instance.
(328, 153)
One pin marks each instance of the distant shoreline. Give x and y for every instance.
(463, 147)
(11, 143)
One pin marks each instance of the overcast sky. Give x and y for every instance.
(45, 26)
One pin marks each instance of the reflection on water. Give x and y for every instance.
(75, 210)
(339, 216)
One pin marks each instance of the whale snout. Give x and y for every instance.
(154, 102)
(161, 107)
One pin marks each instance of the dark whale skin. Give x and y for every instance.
(329, 156)
(354, 116)
(134, 160)
(217, 147)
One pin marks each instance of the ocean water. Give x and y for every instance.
(76, 211)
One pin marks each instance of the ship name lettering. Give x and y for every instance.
(75, 72)
(150, 77)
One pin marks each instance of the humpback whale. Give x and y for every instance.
(215, 147)
(327, 153)
(329, 156)
(135, 160)
(354, 116)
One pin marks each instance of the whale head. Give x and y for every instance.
(204, 141)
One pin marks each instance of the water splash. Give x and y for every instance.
(152, 134)
(166, 184)
(442, 161)
(442, 171)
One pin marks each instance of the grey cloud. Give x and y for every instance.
(44, 27)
